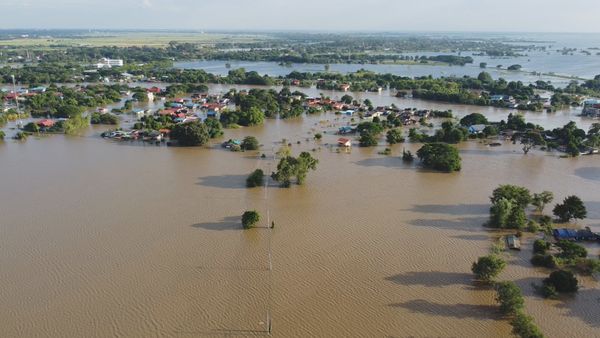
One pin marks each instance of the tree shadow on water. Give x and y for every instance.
(452, 209)
(223, 181)
(588, 173)
(431, 278)
(589, 312)
(460, 311)
(227, 224)
(471, 224)
(388, 162)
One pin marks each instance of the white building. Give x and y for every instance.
(109, 63)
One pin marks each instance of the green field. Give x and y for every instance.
(128, 39)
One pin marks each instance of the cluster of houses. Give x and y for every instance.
(179, 110)
(21, 94)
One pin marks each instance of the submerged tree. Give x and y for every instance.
(440, 156)
(250, 218)
(488, 267)
(255, 179)
(190, 134)
(571, 208)
(540, 200)
(290, 167)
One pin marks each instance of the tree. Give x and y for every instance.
(394, 136)
(347, 99)
(250, 143)
(190, 134)
(484, 77)
(407, 156)
(251, 117)
(499, 213)
(305, 163)
(540, 200)
(255, 179)
(571, 251)
(540, 246)
(367, 139)
(518, 194)
(290, 167)
(517, 218)
(488, 267)
(524, 327)
(571, 208)
(563, 281)
(509, 295)
(440, 156)
(472, 119)
(214, 127)
(250, 218)
(98, 118)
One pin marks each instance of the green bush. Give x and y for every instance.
(508, 294)
(563, 281)
(547, 261)
(540, 246)
(190, 134)
(250, 143)
(523, 326)
(250, 218)
(440, 156)
(488, 267)
(255, 179)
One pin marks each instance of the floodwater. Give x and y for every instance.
(100, 239)
(549, 62)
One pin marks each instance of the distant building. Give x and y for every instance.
(109, 63)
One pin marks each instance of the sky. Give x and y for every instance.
(307, 15)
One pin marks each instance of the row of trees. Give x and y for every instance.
(509, 203)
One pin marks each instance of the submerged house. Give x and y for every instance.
(344, 142)
(575, 235)
(476, 129)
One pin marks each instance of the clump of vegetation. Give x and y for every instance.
(98, 118)
(255, 179)
(394, 136)
(540, 200)
(190, 134)
(407, 156)
(508, 207)
(290, 167)
(540, 246)
(571, 208)
(21, 136)
(562, 281)
(250, 218)
(318, 136)
(2, 134)
(523, 326)
(488, 267)
(250, 143)
(508, 294)
(440, 156)
(386, 151)
(547, 261)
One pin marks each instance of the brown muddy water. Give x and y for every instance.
(103, 239)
